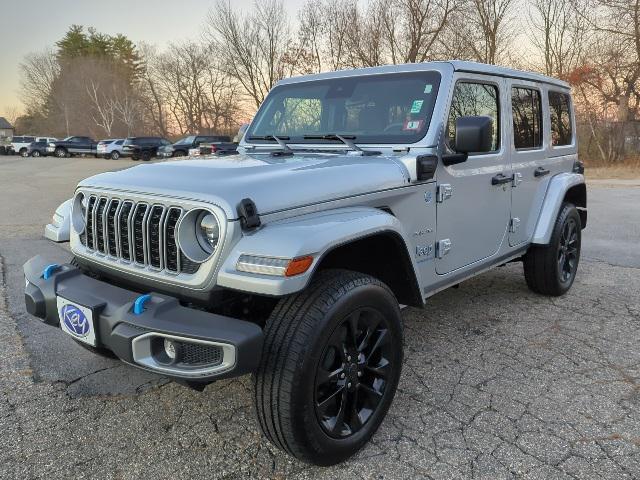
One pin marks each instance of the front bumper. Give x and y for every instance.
(236, 345)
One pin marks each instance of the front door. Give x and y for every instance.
(472, 209)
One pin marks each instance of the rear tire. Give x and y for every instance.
(146, 156)
(551, 269)
(331, 363)
(60, 152)
(115, 155)
(35, 153)
(24, 152)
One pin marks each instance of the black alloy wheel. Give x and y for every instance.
(352, 373)
(568, 251)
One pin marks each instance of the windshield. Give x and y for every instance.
(187, 140)
(389, 108)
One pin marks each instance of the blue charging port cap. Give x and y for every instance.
(141, 301)
(49, 270)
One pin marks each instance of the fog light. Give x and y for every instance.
(170, 348)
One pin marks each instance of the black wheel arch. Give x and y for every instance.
(383, 255)
(577, 195)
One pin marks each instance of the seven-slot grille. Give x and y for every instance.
(137, 232)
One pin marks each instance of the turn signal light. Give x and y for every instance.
(298, 266)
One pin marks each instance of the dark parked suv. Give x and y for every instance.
(182, 146)
(146, 148)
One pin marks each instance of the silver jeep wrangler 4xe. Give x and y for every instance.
(352, 193)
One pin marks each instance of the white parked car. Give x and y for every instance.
(111, 148)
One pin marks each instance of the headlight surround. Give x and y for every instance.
(199, 233)
(79, 212)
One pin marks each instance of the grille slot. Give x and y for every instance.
(124, 218)
(99, 216)
(112, 243)
(154, 235)
(139, 241)
(172, 259)
(136, 232)
(89, 226)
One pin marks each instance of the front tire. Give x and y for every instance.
(551, 269)
(35, 153)
(60, 152)
(331, 363)
(115, 155)
(24, 152)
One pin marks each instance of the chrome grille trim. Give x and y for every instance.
(136, 233)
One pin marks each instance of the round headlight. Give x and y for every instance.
(79, 212)
(199, 233)
(209, 232)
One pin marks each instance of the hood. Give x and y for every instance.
(273, 183)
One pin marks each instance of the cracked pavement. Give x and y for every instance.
(497, 383)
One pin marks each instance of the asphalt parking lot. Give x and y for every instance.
(497, 383)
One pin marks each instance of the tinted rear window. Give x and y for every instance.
(561, 124)
(526, 106)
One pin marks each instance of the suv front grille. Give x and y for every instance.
(136, 232)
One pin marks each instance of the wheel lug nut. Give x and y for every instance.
(342, 375)
(359, 374)
(348, 358)
(349, 384)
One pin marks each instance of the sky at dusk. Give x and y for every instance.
(32, 25)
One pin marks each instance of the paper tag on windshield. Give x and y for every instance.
(416, 106)
(428, 88)
(412, 125)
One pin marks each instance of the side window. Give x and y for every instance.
(472, 100)
(526, 106)
(561, 127)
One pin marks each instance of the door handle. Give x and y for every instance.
(500, 179)
(541, 172)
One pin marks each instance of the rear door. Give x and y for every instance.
(472, 212)
(528, 158)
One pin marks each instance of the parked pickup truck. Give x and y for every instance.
(73, 146)
(192, 143)
(291, 259)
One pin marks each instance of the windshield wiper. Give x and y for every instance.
(346, 139)
(286, 149)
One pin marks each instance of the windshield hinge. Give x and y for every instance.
(443, 192)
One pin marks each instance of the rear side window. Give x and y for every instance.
(17, 139)
(526, 106)
(561, 127)
(474, 99)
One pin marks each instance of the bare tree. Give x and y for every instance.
(491, 32)
(251, 46)
(412, 27)
(103, 109)
(38, 72)
(558, 34)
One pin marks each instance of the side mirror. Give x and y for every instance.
(474, 134)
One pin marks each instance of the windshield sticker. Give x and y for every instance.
(411, 125)
(428, 88)
(416, 106)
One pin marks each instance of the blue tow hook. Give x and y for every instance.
(49, 270)
(138, 305)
